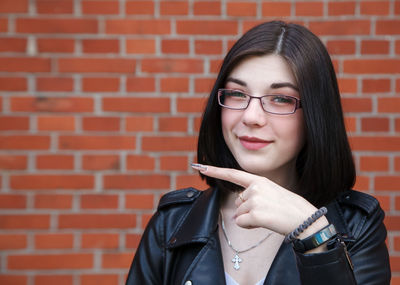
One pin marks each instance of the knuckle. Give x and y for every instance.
(252, 215)
(252, 187)
(256, 188)
(250, 202)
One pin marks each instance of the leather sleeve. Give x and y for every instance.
(146, 267)
(367, 251)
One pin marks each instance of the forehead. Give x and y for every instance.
(263, 70)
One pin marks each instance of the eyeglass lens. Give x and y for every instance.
(277, 104)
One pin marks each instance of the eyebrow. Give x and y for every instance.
(273, 85)
(284, 84)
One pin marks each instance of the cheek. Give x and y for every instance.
(291, 130)
(298, 132)
(227, 121)
(225, 125)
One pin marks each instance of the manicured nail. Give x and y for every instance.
(199, 166)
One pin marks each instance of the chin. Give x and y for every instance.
(253, 168)
(270, 170)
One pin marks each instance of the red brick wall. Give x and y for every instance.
(101, 103)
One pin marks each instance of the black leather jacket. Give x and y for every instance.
(181, 244)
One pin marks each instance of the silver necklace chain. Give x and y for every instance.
(236, 259)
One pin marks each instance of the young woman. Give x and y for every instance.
(280, 209)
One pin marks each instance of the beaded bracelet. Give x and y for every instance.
(293, 235)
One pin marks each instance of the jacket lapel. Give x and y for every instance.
(199, 230)
(200, 222)
(207, 267)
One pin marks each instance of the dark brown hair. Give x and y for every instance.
(325, 165)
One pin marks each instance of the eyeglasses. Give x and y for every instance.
(274, 104)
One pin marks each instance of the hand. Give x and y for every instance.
(266, 204)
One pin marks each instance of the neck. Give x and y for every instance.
(227, 206)
(286, 176)
(287, 179)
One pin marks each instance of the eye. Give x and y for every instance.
(282, 99)
(236, 94)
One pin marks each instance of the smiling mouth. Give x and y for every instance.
(253, 143)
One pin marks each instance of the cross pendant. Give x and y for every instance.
(236, 260)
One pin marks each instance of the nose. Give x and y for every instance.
(254, 114)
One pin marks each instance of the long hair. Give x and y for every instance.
(325, 165)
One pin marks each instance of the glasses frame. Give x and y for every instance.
(297, 106)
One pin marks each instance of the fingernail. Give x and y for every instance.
(199, 166)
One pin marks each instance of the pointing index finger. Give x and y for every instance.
(235, 176)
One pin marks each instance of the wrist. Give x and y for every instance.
(308, 223)
(314, 227)
(317, 242)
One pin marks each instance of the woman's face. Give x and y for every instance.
(263, 143)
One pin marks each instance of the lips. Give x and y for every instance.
(253, 143)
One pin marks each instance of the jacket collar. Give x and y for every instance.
(200, 222)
